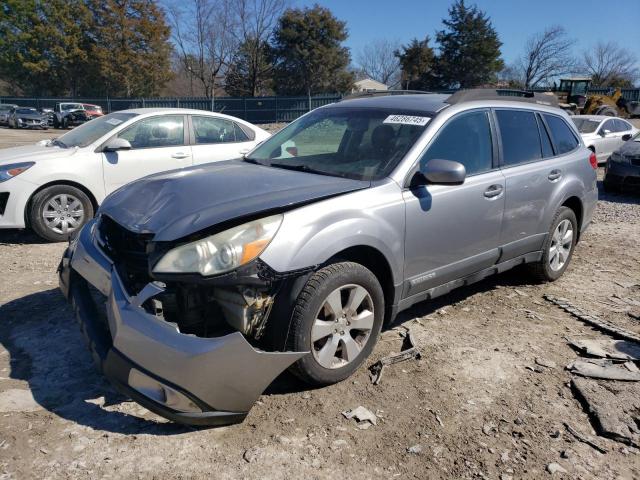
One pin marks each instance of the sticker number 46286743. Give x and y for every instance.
(407, 120)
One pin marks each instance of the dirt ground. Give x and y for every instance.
(477, 405)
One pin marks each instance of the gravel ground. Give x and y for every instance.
(475, 406)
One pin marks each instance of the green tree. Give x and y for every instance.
(249, 74)
(308, 53)
(131, 53)
(44, 45)
(416, 63)
(469, 48)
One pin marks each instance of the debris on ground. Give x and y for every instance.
(409, 351)
(586, 439)
(592, 320)
(607, 348)
(362, 415)
(543, 362)
(415, 449)
(555, 468)
(613, 408)
(603, 369)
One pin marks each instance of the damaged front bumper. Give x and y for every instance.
(185, 378)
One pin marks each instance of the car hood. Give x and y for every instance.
(30, 116)
(33, 153)
(630, 148)
(176, 204)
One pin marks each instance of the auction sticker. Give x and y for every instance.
(114, 121)
(407, 120)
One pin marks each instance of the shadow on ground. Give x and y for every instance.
(47, 351)
(19, 237)
(626, 196)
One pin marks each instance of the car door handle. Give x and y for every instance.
(493, 191)
(180, 155)
(554, 175)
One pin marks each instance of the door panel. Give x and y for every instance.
(612, 141)
(158, 145)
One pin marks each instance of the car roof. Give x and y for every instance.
(430, 103)
(183, 111)
(597, 118)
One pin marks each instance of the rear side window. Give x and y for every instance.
(465, 139)
(519, 136)
(563, 137)
(621, 125)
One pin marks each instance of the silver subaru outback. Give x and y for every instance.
(197, 287)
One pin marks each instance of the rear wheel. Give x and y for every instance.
(558, 247)
(58, 211)
(337, 318)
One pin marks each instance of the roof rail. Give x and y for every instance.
(382, 93)
(503, 94)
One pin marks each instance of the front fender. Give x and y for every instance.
(312, 234)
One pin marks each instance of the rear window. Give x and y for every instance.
(586, 125)
(519, 136)
(563, 137)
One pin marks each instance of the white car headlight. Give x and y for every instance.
(222, 252)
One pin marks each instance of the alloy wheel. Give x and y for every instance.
(561, 243)
(342, 326)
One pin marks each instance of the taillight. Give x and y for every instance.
(593, 161)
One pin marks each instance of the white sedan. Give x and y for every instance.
(602, 134)
(55, 186)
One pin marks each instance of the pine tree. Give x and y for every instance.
(249, 74)
(469, 48)
(309, 54)
(416, 63)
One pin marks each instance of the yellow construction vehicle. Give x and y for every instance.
(573, 96)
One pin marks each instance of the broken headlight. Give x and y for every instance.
(222, 252)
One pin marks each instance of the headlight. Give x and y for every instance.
(12, 170)
(222, 252)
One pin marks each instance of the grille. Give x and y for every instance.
(128, 251)
(635, 161)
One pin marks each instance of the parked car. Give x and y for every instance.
(218, 277)
(26, 117)
(67, 115)
(5, 108)
(48, 112)
(622, 171)
(93, 111)
(55, 186)
(603, 134)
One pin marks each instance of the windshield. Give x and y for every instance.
(25, 111)
(358, 143)
(89, 132)
(586, 125)
(71, 106)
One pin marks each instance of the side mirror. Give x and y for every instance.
(445, 172)
(116, 144)
(626, 136)
(605, 132)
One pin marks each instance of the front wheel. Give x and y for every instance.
(337, 318)
(558, 247)
(58, 211)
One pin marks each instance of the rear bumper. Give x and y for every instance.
(622, 175)
(187, 379)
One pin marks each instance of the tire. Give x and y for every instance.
(56, 122)
(551, 267)
(311, 313)
(607, 111)
(52, 228)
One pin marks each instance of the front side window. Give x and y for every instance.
(209, 130)
(519, 135)
(563, 137)
(608, 126)
(358, 143)
(155, 132)
(465, 139)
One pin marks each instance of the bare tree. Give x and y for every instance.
(547, 54)
(256, 20)
(609, 64)
(378, 61)
(203, 31)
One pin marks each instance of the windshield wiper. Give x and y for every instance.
(252, 160)
(303, 168)
(57, 142)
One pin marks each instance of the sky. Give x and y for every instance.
(587, 21)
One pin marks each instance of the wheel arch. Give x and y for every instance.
(575, 204)
(70, 183)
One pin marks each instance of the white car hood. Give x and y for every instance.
(33, 153)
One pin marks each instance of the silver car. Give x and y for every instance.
(196, 288)
(603, 135)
